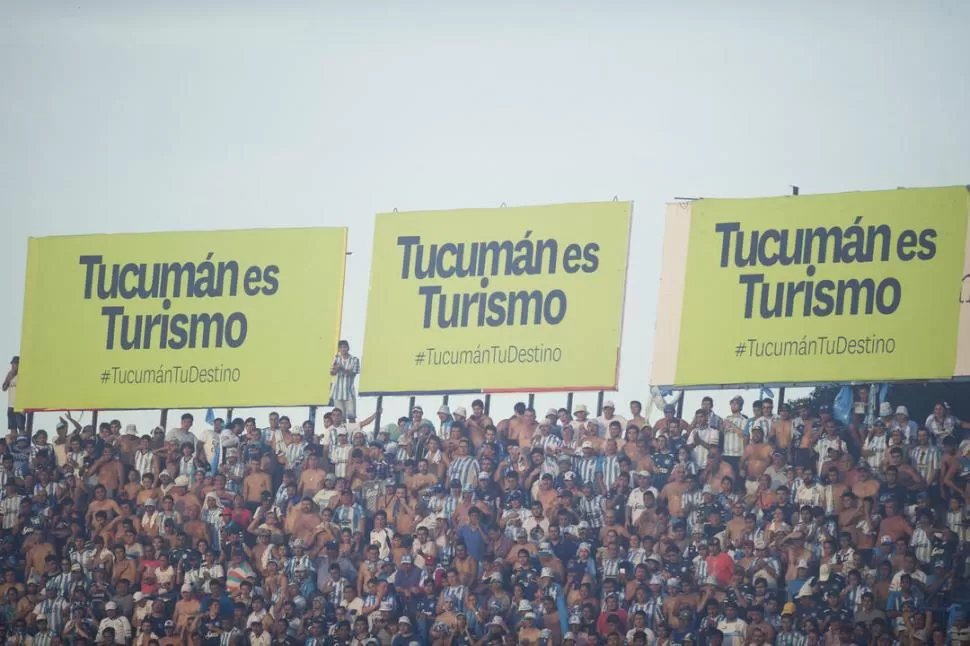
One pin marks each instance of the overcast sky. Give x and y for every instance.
(136, 116)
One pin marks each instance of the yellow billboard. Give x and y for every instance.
(497, 300)
(181, 320)
(824, 288)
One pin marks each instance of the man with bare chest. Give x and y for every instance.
(756, 458)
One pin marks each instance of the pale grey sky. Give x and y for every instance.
(133, 116)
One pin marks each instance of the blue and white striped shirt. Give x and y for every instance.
(610, 469)
(343, 382)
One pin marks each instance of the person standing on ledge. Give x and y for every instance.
(344, 371)
(16, 421)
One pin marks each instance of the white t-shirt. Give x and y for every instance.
(651, 636)
(12, 393)
(735, 632)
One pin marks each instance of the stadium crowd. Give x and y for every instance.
(738, 526)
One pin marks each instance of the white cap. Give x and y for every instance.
(404, 620)
(806, 590)
(574, 619)
(609, 404)
(111, 605)
(581, 409)
(802, 564)
(444, 410)
(524, 606)
(460, 411)
(186, 587)
(655, 580)
(902, 410)
(569, 635)
(138, 596)
(552, 412)
(885, 409)
(182, 481)
(824, 572)
(546, 572)
(131, 429)
(587, 445)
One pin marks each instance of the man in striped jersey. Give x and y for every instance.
(732, 428)
(464, 468)
(874, 447)
(926, 458)
(344, 370)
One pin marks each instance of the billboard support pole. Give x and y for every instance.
(781, 390)
(380, 406)
(680, 407)
(163, 419)
(532, 400)
(569, 403)
(29, 424)
(229, 416)
(599, 403)
(488, 402)
(444, 400)
(410, 405)
(94, 420)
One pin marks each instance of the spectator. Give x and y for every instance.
(15, 419)
(344, 370)
(542, 530)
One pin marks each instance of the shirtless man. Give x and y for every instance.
(756, 458)
(416, 482)
(781, 429)
(522, 426)
(673, 491)
(194, 526)
(716, 470)
(312, 478)
(300, 520)
(101, 503)
(478, 422)
(255, 482)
